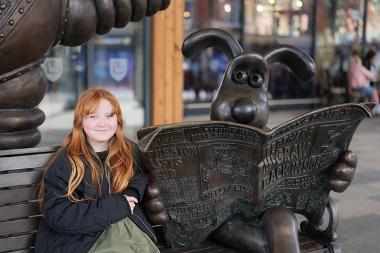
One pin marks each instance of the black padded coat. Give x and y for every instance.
(68, 227)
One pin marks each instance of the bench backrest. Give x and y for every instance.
(20, 173)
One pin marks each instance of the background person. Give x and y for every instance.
(359, 81)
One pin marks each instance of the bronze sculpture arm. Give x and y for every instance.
(344, 172)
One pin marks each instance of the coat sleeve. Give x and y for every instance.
(82, 217)
(136, 187)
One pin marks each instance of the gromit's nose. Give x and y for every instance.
(244, 110)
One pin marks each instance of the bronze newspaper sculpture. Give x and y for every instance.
(242, 182)
(28, 28)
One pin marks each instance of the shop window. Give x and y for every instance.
(117, 65)
(271, 23)
(370, 60)
(65, 72)
(339, 35)
(349, 22)
(113, 62)
(373, 22)
(281, 17)
(203, 73)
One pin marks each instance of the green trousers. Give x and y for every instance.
(124, 237)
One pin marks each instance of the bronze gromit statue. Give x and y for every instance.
(28, 28)
(241, 98)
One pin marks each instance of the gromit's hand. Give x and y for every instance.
(344, 172)
(153, 205)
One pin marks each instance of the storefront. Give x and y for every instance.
(122, 61)
(329, 30)
(344, 28)
(114, 62)
(258, 25)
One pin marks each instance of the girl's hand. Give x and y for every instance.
(132, 201)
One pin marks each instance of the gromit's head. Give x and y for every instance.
(242, 94)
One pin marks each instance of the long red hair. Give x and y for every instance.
(119, 160)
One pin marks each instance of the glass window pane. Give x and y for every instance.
(349, 22)
(65, 71)
(281, 17)
(113, 62)
(339, 35)
(203, 72)
(373, 22)
(271, 23)
(117, 67)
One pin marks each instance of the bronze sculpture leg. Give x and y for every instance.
(280, 226)
(241, 235)
(277, 233)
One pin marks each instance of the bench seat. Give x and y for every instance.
(20, 173)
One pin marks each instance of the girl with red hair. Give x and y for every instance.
(92, 187)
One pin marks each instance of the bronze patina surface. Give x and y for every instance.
(208, 172)
(28, 28)
(237, 180)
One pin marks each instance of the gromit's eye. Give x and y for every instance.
(255, 80)
(239, 77)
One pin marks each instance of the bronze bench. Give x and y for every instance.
(20, 173)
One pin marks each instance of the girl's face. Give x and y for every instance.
(100, 126)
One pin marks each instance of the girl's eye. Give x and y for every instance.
(91, 116)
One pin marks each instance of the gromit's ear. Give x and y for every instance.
(298, 61)
(211, 37)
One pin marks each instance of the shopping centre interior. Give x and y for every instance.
(329, 30)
